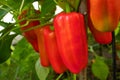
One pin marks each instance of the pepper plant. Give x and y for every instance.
(60, 44)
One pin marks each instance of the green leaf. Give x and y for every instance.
(61, 3)
(5, 50)
(42, 72)
(3, 24)
(74, 4)
(23, 60)
(3, 11)
(8, 27)
(16, 5)
(22, 52)
(3, 2)
(47, 10)
(100, 69)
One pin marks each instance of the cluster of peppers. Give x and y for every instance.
(65, 47)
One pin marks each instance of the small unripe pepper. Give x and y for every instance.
(52, 51)
(71, 40)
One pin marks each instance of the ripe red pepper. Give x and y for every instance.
(104, 14)
(29, 35)
(52, 51)
(100, 37)
(41, 45)
(118, 7)
(71, 40)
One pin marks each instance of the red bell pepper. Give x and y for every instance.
(29, 35)
(118, 7)
(100, 37)
(104, 14)
(41, 45)
(52, 51)
(71, 40)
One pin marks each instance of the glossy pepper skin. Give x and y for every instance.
(41, 45)
(100, 37)
(71, 40)
(52, 51)
(104, 14)
(118, 7)
(29, 35)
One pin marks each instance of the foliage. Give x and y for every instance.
(5, 47)
(102, 71)
(20, 66)
(42, 72)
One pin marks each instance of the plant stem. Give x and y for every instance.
(16, 73)
(55, 1)
(67, 7)
(41, 25)
(77, 4)
(92, 50)
(4, 3)
(114, 55)
(21, 6)
(74, 76)
(59, 77)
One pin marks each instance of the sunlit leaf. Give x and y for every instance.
(42, 72)
(100, 69)
(47, 10)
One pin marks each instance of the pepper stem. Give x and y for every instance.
(77, 4)
(74, 76)
(67, 7)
